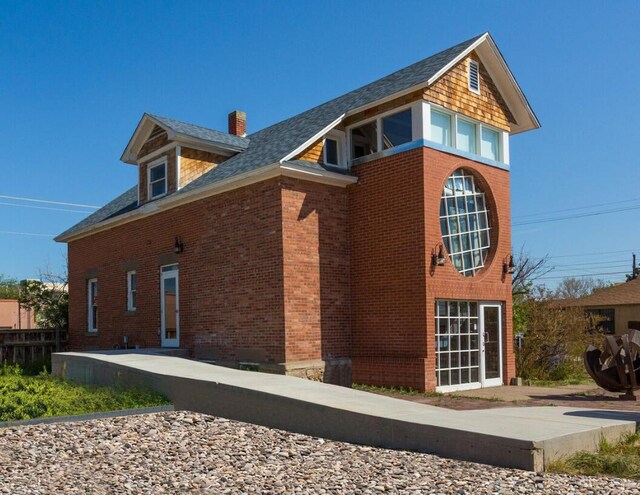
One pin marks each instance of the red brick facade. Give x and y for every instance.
(394, 228)
(290, 273)
(240, 248)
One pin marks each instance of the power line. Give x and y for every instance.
(84, 212)
(34, 200)
(581, 215)
(576, 208)
(9, 232)
(581, 276)
(589, 263)
(593, 254)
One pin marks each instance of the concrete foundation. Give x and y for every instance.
(525, 438)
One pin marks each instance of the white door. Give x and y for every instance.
(490, 344)
(169, 305)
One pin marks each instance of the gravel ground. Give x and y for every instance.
(182, 452)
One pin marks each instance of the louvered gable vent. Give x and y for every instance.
(474, 77)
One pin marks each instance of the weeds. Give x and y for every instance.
(41, 396)
(621, 460)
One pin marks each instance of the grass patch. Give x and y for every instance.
(560, 383)
(395, 391)
(621, 460)
(42, 396)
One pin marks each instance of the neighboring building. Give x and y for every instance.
(12, 316)
(369, 235)
(618, 305)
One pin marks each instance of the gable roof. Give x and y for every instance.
(182, 131)
(624, 293)
(279, 143)
(196, 131)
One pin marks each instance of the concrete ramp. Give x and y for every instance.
(524, 438)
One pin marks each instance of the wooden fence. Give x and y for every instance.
(30, 346)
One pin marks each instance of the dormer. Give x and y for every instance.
(170, 154)
(469, 106)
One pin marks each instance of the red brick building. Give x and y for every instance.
(368, 236)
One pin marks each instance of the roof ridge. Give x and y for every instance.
(160, 117)
(375, 81)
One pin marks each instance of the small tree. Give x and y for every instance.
(9, 288)
(555, 337)
(572, 287)
(48, 298)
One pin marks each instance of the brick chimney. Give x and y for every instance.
(238, 123)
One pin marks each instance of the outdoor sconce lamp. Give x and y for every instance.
(178, 247)
(508, 266)
(438, 259)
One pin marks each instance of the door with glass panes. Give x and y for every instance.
(468, 345)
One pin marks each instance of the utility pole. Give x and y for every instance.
(634, 268)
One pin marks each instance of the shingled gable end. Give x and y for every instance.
(366, 239)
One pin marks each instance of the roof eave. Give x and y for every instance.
(144, 127)
(256, 175)
(526, 119)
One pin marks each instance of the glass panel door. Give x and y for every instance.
(169, 300)
(491, 332)
(457, 345)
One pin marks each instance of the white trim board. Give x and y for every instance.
(229, 184)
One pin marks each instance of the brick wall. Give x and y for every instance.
(262, 265)
(394, 225)
(316, 270)
(231, 287)
(388, 272)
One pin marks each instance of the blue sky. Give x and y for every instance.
(76, 77)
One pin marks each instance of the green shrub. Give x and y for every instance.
(41, 396)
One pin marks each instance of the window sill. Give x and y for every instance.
(91, 334)
(130, 312)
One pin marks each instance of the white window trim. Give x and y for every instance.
(130, 306)
(90, 305)
(157, 163)
(478, 133)
(503, 136)
(477, 66)
(339, 138)
(378, 120)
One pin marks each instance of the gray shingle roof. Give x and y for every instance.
(199, 132)
(272, 144)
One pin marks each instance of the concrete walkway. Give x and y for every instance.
(525, 438)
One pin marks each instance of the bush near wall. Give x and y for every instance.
(555, 338)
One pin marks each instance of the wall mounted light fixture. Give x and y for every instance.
(508, 266)
(438, 259)
(178, 247)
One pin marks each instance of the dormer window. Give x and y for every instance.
(396, 129)
(330, 151)
(474, 76)
(157, 179)
(469, 136)
(382, 133)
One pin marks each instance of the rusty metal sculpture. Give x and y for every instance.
(617, 369)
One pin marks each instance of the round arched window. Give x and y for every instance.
(464, 221)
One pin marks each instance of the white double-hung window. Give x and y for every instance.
(132, 290)
(92, 305)
(157, 179)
